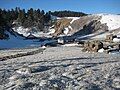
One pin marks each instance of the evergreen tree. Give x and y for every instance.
(21, 16)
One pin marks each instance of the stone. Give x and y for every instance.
(92, 46)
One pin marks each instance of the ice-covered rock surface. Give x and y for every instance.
(61, 68)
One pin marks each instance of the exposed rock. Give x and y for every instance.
(109, 38)
(60, 26)
(83, 26)
(92, 46)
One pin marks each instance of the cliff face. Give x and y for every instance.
(99, 23)
(60, 25)
(82, 26)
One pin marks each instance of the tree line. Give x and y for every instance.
(68, 14)
(31, 18)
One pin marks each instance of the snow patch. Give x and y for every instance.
(72, 44)
(101, 50)
(66, 31)
(112, 21)
(22, 31)
(24, 71)
(116, 40)
(51, 31)
(73, 19)
(70, 27)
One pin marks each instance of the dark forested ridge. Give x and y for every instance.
(30, 18)
(68, 14)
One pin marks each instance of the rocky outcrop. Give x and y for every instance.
(83, 26)
(92, 46)
(60, 25)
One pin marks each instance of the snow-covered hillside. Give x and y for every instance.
(17, 42)
(111, 20)
(98, 23)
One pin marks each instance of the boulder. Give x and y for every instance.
(109, 38)
(92, 46)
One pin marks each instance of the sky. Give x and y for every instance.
(86, 6)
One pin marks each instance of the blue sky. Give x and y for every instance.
(87, 6)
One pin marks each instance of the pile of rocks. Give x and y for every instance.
(98, 46)
(92, 46)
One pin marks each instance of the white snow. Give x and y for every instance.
(116, 40)
(23, 71)
(70, 27)
(72, 44)
(73, 19)
(22, 31)
(101, 50)
(60, 40)
(17, 42)
(66, 31)
(43, 47)
(51, 31)
(112, 21)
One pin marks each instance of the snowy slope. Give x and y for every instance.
(17, 42)
(22, 31)
(112, 21)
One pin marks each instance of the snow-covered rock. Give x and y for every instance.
(66, 31)
(116, 40)
(43, 82)
(70, 27)
(22, 31)
(24, 71)
(51, 31)
(101, 50)
(60, 40)
(44, 47)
